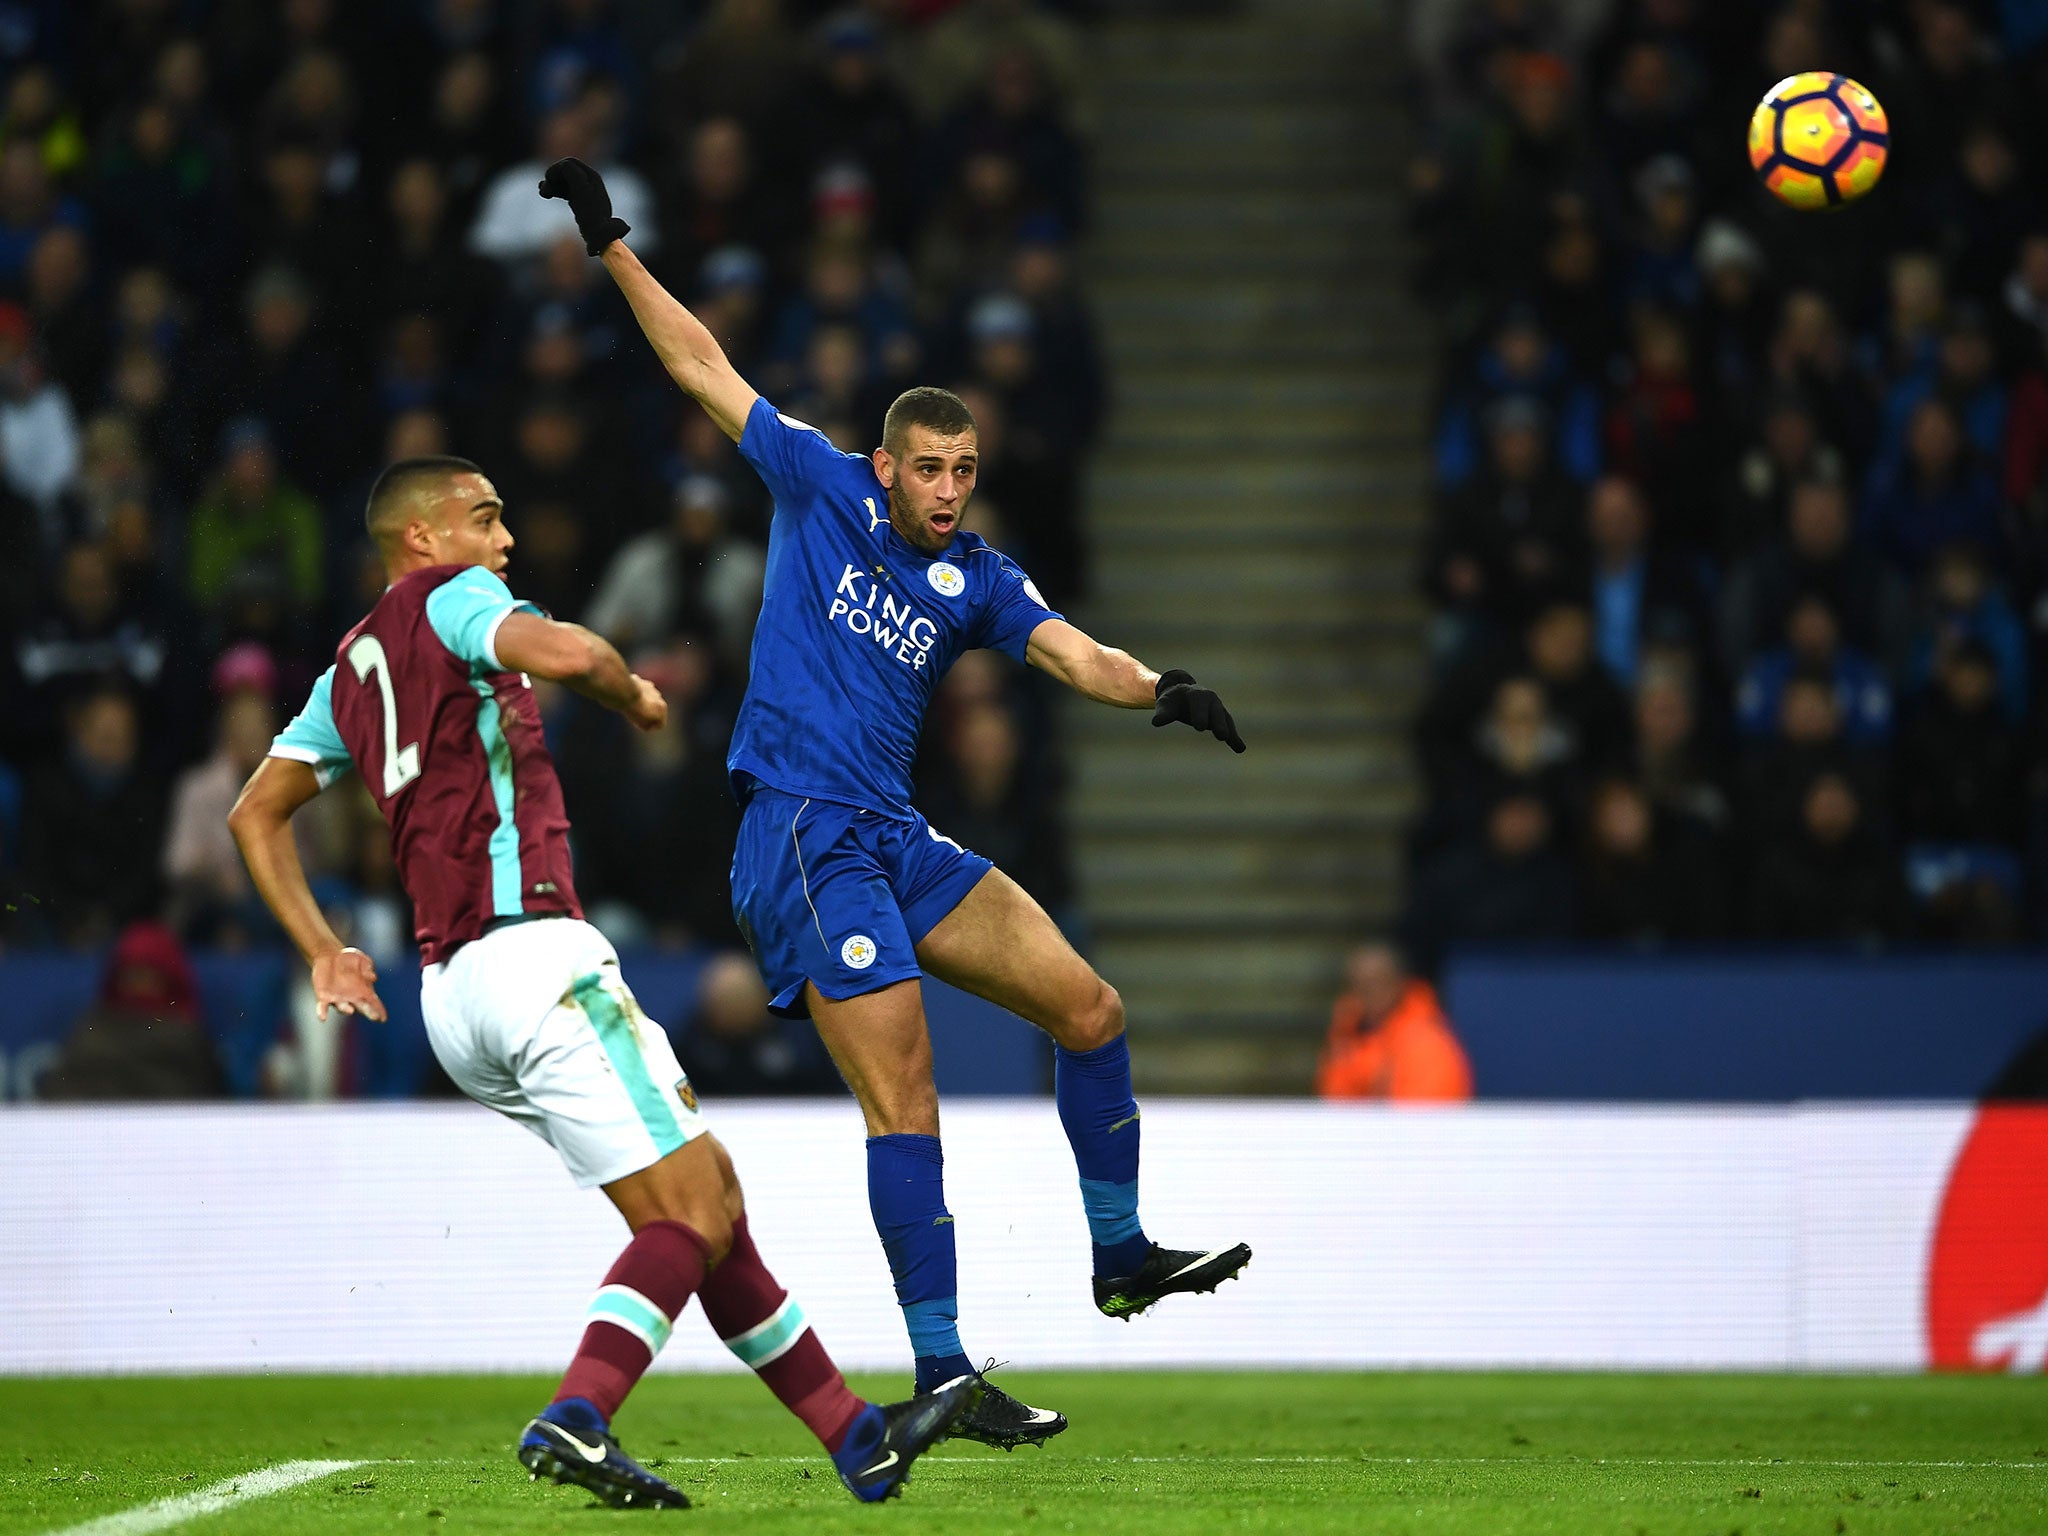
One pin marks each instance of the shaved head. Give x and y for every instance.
(402, 492)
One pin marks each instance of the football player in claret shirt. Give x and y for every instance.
(845, 893)
(430, 701)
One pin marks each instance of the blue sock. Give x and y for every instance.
(1093, 1091)
(576, 1413)
(906, 1192)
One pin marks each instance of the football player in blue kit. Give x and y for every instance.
(846, 894)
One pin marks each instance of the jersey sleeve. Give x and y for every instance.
(466, 611)
(790, 455)
(1012, 609)
(313, 737)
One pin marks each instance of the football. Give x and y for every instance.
(1818, 140)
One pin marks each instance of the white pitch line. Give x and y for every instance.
(164, 1513)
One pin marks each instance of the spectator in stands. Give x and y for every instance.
(30, 206)
(1520, 360)
(1786, 453)
(841, 288)
(1816, 555)
(85, 632)
(253, 529)
(734, 1048)
(960, 48)
(39, 445)
(1651, 876)
(469, 128)
(210, 892)
(1010, 113)
(986, 801)
(69, 325)
(1831, 878)
(1809, 743)
(656, 829)
(144, 1037)
(741, 63)
(1511, 885)
(718, 198)
(1661, 432)
(1963, 604)
(92, 824)
(1736, 308)
(1936, 495)
(425, 268)
(690, 577)
(854, 109)
(513, 226)
(287, 375)
(1672, 762)
(1640, 596)
(1814, 648)
(1389, 1038)
(1811, 356)
(1961, 764)
(1498, 543)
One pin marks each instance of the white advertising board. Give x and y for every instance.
(438, 1237)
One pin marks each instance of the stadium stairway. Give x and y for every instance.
(1255, 512)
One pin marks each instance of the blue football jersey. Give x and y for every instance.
(856, 626)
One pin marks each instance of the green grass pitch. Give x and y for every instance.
(1148, 1452)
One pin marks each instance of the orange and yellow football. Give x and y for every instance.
(1818, 140)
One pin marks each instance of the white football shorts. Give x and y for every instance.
(535, 1021)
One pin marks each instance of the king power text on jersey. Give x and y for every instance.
(894, 626)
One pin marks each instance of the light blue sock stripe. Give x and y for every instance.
(622, 1045)
(619, 1304)
(770, 1341)
(934, 1326)
(1112, 1210)
(507, 888)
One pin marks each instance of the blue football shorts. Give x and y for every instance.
(839, 896)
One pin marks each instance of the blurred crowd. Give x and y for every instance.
(252, 250)
(1739, 547)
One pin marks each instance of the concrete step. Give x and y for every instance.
(1255, 517)
(1224, 808)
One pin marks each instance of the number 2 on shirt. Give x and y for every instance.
(401, 764)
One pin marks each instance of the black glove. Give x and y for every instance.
(1180, 699)
(583, 190)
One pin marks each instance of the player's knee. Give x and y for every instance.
(1100, 1021)
(904, 1109)
(714, 1229)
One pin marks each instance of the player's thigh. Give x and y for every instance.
(694, 1185)
(882, 1048)
(605, 1080)
(999, 944)
(815, 903)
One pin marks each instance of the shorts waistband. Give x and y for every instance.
(514, 919)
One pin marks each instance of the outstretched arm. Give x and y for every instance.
(580, 659)
(1109, 676)
(262, 825)
(685, 345)
(687, 349)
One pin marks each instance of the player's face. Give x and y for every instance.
(929, 485)
(466, 524)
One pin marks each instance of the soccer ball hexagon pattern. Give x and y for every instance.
(1818, 140)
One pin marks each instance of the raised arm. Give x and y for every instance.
(261, 822)
(580, 659)
(1109, 676)
(686, 347)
